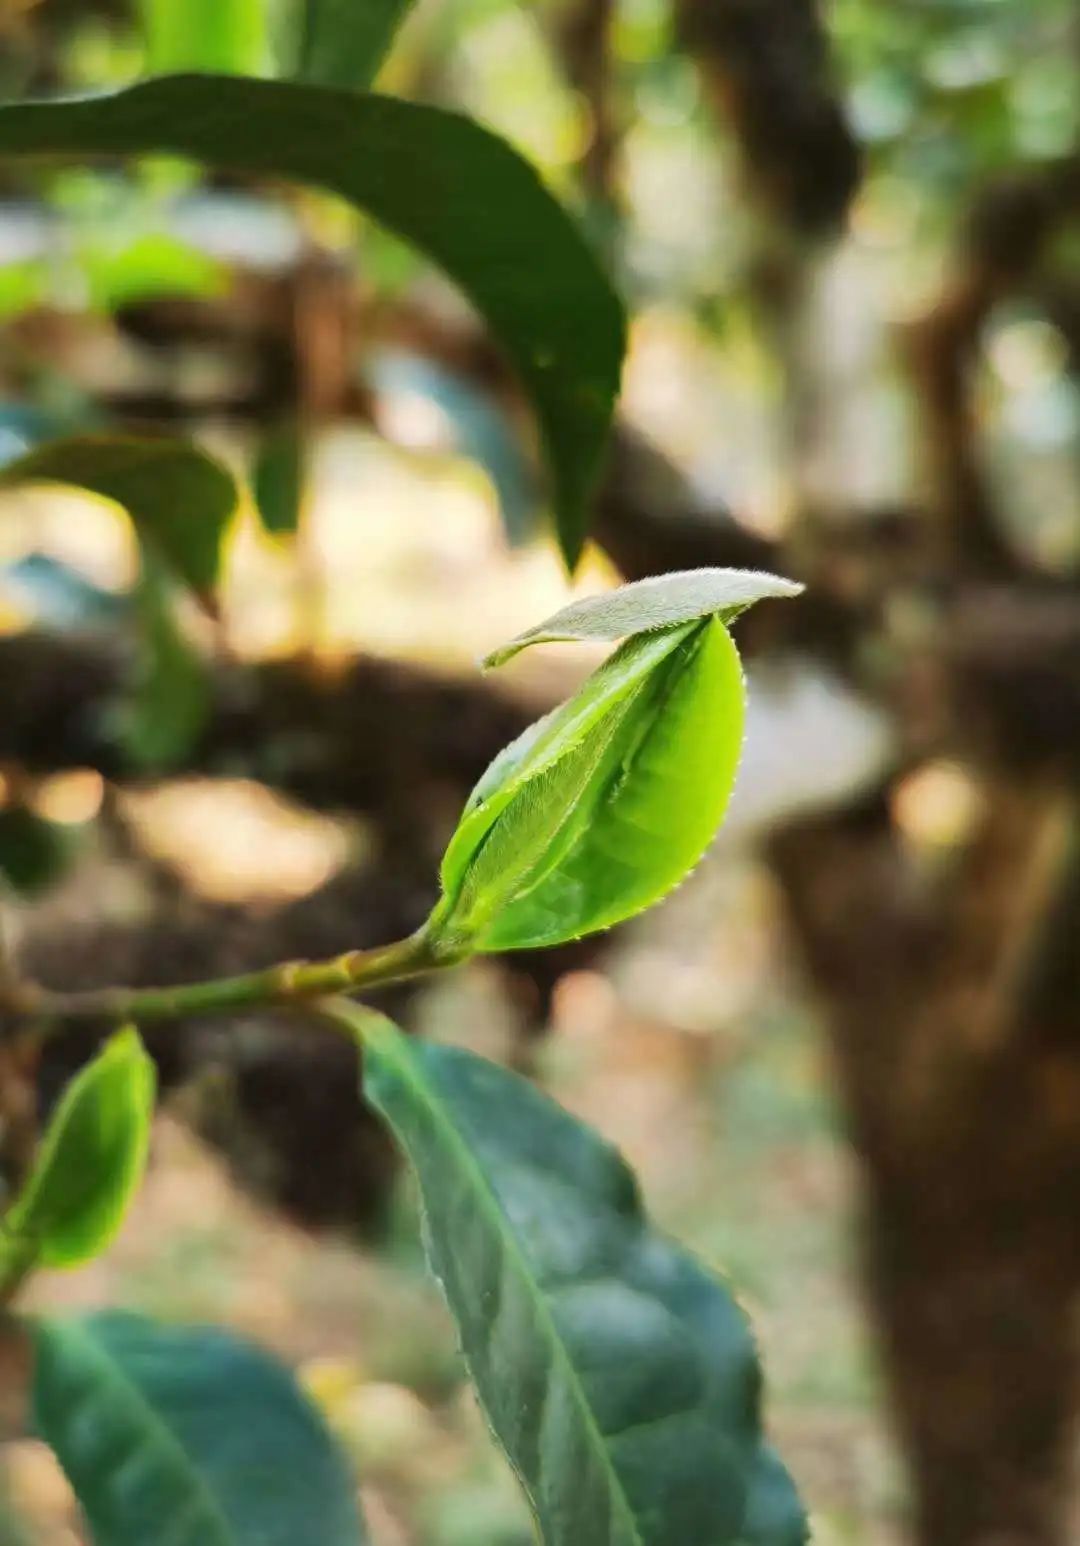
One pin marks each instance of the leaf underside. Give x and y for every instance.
(662, 601)
(618, 1375)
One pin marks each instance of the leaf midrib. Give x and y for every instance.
(489, 1203)
(160, 1434)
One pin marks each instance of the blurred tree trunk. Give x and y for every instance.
(952, 997)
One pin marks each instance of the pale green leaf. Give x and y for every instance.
(616, 1372)
(658, 602)
(434, 178)
(90, 1163)
(186, 1436)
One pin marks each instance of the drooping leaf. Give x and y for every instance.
(451, 188)
(229, 36)
(345, 41)
(597, 815)
(616, 1372)
(91, 1160)
(171, 698)
(658, 602)
(278, 478)
(179, 498)
(186, 1435)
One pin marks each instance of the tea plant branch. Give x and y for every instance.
(288, 983)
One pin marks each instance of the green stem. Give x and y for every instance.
(292, 982)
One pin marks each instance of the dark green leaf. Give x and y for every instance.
(454, 190)
(345, 41)
(278, 478)
(602, 808)
(774, 1515)
(91, 1160)
(659, 602)
(221, 35)
(172, 693)
(34, 853)
(616, 1372)
(179, 499)
(186, 1436)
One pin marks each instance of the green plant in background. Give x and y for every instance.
(618, 1375)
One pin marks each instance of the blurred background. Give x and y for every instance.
(845, 1057)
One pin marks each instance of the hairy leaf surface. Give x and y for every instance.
(91, 1160)
(658, 602)
(186, 1436)
(457, 192)
(616, 1372)
(599, 811)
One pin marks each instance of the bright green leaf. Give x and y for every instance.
(434, 178)
(659, 602)
(228, 36)
(179, 499)
(186, 1435)
(91, 1160)
(616, 1372)
(345, 41)
(604, 807)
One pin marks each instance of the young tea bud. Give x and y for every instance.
(605, 805)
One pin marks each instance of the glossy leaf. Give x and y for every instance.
(91, 1160)
(345, 41)
(179, 499)
(222, 35)
(658, 602)
(616, 1372)
(430, 176)
(186, 1435)
(596, 815)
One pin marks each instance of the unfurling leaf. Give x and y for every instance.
(434, 178)
(186, 1435)
(598, 811)
(90, 1163)
(658, 602)
(616, 1372)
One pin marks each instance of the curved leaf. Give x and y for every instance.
(179, 499)
(172, 692)
(91, 1160)
(658, 602)
(436, 179)
(561, 848)
(279, 478)
(616, 1372)
(186, 1436)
